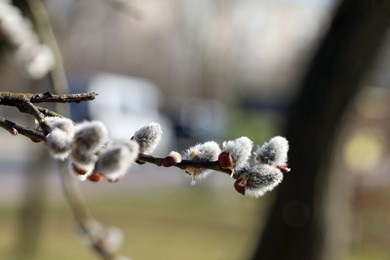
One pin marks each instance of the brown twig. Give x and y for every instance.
(25, 103)
(184, 164)
(15, 129)
(12, 99)
(48, 112)
(28, 107)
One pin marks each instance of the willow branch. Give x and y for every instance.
(12, 99)
(29, 107)
(48, 112)
(15, 129)
(184, 164)
(25, 103)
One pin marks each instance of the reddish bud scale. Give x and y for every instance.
(168, 161)
(225, 160)
(240, 188)
(283, 169)
(35, 140)
(95, 177)
(78, 170)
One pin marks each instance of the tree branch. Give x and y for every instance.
(12, 99)
(15, 129)
(48, 112)
(184, 164)
(25, 103)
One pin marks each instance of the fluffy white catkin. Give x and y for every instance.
(64, 124)
(240, 150)
(204, 152)
(114, 162)
(273, 152)
(88, 138)
(58, 142)
(260, 178)
(148, 137)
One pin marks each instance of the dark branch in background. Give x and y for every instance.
(58, 83)
(297, 228)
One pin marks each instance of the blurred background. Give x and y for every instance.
(205, 70)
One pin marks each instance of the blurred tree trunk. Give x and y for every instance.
(32, 212)
(298, 227)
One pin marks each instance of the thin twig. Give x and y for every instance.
(13, 99)
(48, 112)
(15, 129)
(28, 107)
(66, 98)
(184, 164)
(24, 102)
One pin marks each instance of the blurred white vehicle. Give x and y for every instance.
(125, 104)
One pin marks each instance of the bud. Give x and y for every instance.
(94, 177)
(59, 139)
(273, 152)
(89, 137)
(35, 140)
(240, 150)
(78, 170)
(148, 137)
(81, 172)
(258, 179)
(58, 143)
(283, 169)
(225, 160)
(206, 152)
(64, 124)
(172, 159)
(113, 163)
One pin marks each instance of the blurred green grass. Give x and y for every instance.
(259, 127)
(181, 223)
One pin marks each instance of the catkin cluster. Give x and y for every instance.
(255, 179)
(93, 156)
